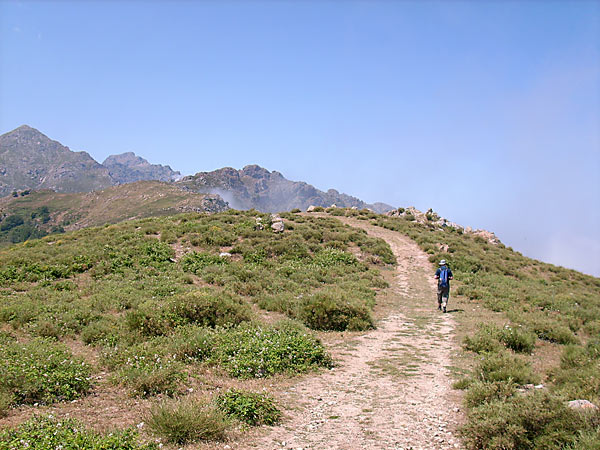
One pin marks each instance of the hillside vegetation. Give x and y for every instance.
(34, 214)
(546, 330)
(159, 300)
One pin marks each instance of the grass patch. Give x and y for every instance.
(252, 408)
(187, 421)
(48, 433)
(41, 371)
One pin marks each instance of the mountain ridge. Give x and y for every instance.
(254, 186)
(250, 187)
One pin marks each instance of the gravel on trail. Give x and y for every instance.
(391, 387)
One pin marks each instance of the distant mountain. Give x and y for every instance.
(256, 187)
(31, 160)
(128, 167)
(41, 212)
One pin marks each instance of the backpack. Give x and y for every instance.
(444, 277)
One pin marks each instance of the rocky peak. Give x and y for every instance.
(128, 168)
(31, 160)
(255, 171)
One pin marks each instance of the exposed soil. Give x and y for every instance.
(391, 388)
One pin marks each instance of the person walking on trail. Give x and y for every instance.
(443, 275)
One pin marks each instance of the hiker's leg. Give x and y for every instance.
(444, 295)
(439, 297)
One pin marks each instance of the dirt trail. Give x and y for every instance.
(391, 388)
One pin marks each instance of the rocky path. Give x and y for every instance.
(391, 388)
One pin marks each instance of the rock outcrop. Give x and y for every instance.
(129, 168)
(256, 187)
(432, 218)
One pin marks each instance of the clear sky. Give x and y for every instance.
(488, 112)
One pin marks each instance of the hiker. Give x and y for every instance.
(443, 275)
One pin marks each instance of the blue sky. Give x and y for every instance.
(488, 112)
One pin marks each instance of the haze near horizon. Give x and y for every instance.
(489, 113)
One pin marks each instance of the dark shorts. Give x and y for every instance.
(443, 293)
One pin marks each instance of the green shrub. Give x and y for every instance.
(156, 252)
(201, 307)
(195, 262)
(330, 257)
(533, 421)
(255, 351)
(146, 369)
(42, 371)
(47, 433)
(6, 400)
(209, 310)
(552, 331)
(191, 344)
(187, 421)
(505, 367)
(517, 339)
(104, 331)
(480, 392)
(484, 341)
(329, 311)
(250, 407)
(490, 337)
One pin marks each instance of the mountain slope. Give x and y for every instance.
(128, 168)
(256, 187)
(43, 212)
(31, 160)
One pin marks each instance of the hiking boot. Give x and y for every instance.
(439, 307)
(444, 309)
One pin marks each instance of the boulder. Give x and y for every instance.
(225, 255)
(277, 227)
(581, 404)
(311, 208)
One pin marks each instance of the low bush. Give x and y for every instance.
(484, 341)
(191, 344)
(480, 392)
(534, 421)
(201, 307)
(146, 369)
(252, 408)
(48, 433)
(505, 367)
(208, 309)
(550, 330)
(195, 262)
(490, 337)
(330, 311)
(42, 371)
(186, 421)
(517, 339)
(6, 400)
(330, 257)
(258, 351)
